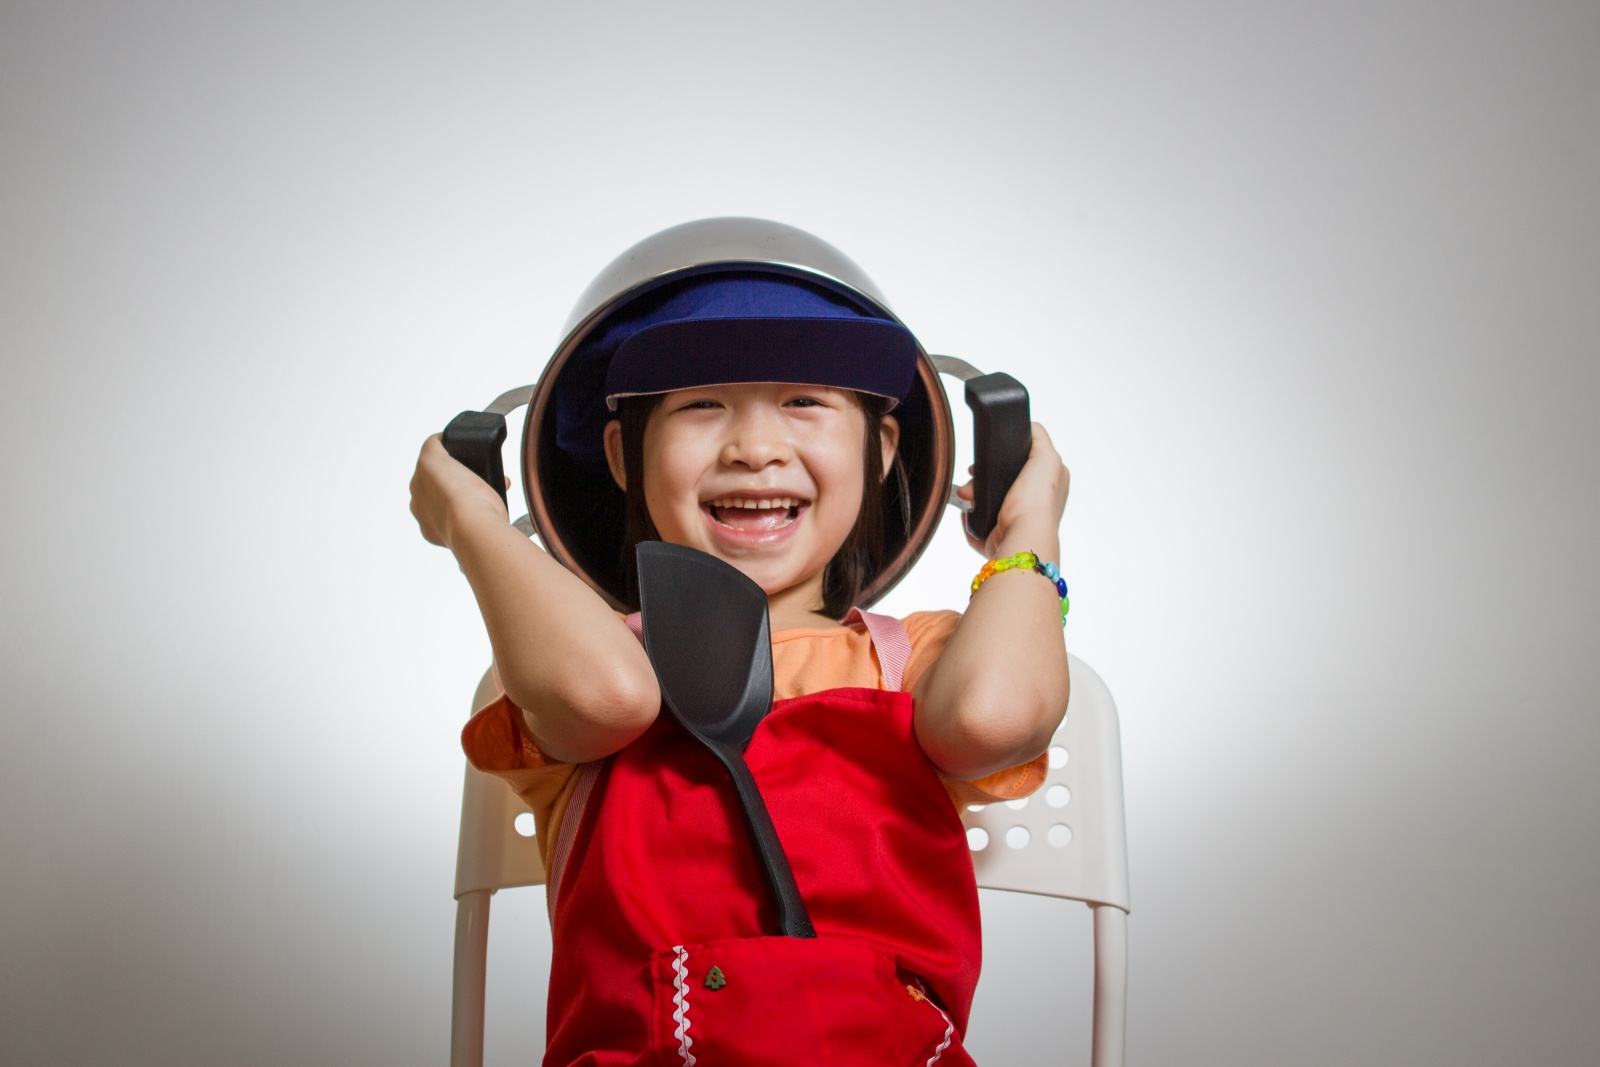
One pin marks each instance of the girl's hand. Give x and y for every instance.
(583, 683)
(1032, 509)
(443, 491)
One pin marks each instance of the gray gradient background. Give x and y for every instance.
(1307, 295)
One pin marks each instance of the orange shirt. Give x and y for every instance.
(803, 661)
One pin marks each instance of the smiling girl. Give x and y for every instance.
(751, 416)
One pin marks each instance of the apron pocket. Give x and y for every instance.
(771, 1001)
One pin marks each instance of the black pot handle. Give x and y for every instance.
(473, 439)
(1002, 433)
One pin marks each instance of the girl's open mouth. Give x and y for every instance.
(755, 515)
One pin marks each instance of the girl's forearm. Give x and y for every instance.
(581, 678)
(1000, 688)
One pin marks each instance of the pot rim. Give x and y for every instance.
(710, 246)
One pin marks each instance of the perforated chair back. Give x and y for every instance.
(1066, 840)
(1069, 840)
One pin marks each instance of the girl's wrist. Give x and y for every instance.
(465, 517)
(1041, 540)
(1025, 561)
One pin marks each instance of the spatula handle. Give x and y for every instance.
(793, 921)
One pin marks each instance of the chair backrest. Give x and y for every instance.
(1068, 838)
(494, 853)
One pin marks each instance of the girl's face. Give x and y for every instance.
(765, 476)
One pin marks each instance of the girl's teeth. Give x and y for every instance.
(755, 515)
(783, 503)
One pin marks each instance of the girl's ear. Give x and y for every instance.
(890, 439)
(613, 442)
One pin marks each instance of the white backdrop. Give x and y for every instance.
(1306, 294)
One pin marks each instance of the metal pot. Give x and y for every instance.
(577, 513)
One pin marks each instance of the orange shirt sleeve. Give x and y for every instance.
(929, 632)
(497, 743)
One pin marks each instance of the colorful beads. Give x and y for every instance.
(984, 575)
(1027, 561)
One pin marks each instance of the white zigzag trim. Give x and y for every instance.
(680, 998)
(949, 1033)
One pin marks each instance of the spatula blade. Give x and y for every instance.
(706, 631)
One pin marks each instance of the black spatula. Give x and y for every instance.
(706, 632)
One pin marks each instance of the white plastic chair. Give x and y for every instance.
(1069, 840)
(1066, 840)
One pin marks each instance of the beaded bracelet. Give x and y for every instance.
(1026, 561)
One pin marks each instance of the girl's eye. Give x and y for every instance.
(805, 402)
(699, 405)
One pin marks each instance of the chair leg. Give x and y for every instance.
(1110, 985)
(466, 999)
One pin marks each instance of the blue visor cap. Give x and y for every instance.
(726, 328)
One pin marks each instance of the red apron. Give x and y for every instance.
(661, 917)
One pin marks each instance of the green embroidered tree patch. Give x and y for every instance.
(714, 980)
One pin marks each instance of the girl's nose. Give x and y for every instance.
(757, 441)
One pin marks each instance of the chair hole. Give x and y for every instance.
(1057, 796)
(1058, 757)
(1018, 837)
(523, 824)
(1059, 835)
(977, 839)
(976, 807)
(1018, 804)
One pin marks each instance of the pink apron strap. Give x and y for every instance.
(890, 641)
(588, 773)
